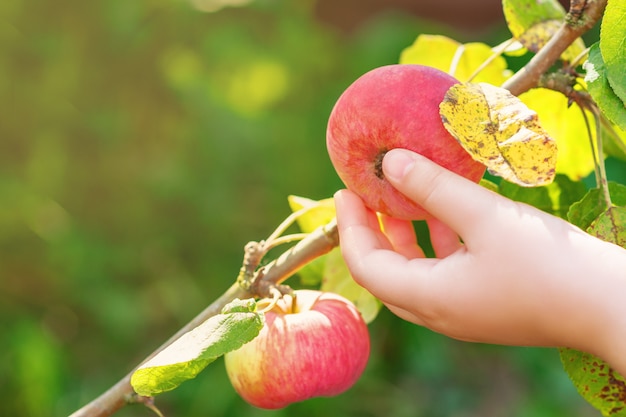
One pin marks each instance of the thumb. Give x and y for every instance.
(449, 197)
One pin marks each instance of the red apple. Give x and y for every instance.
(395, 106)
(313, 345)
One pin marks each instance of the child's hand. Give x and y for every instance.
(520, 277)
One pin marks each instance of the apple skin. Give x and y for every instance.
(394, 106)
(320, 348)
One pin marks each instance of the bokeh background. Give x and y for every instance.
(143, 143)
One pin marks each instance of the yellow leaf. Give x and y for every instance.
(318, 212)
(536, 36)
(533, 23)
(459, 60)
(498, 130)
(567, 126)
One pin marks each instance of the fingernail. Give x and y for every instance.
(397, 163)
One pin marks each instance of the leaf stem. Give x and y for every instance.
(282, 227)
(284, 239)
(497, 51)
(456, 59)
(596, 153)
(603, 183)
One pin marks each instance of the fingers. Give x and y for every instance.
(444, 240)
(357, 230)
(401, 235)
(368, 254)
(449, 197)
(357, 224)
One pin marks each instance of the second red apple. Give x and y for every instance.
(316, 344)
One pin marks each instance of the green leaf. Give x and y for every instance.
(191, 353)
(522, 14)
(440, 52)
(585, 212)
(488, 184)
(567, 126)
(614, 142)
(611, 226)
(318, 214)
(555, 198)
(337, 279)
(500, 132)
(600, 89)
(596, 382)
(533, 23)
(594, 379)
(613, 46)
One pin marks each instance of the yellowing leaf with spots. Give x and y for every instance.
(498, 130)
(533, 23)
(567, 126)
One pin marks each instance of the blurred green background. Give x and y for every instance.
(143, 143)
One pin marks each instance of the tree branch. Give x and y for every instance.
(574, 26)
(316, 244)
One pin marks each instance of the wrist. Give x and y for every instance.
(606, 335)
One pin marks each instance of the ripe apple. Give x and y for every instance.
(394, 106)
(314, 344)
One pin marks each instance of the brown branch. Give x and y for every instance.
(573, 27)
(316, 244)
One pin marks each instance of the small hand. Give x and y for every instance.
(520, 277)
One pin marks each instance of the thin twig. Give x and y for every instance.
(604, 182)
(497, 51)
(287, 223)
(596, 153)
(284, 239)
(456, 59)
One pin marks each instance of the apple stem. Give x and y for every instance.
(276, 295)
(294, 303)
